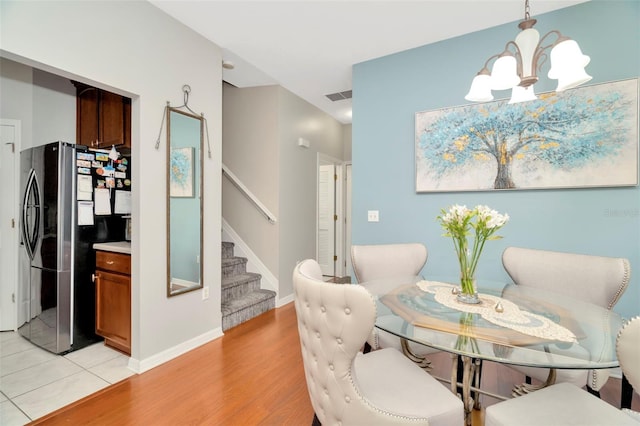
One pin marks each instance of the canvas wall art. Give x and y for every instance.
(583, 137)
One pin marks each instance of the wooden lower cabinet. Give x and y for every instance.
(113, 299)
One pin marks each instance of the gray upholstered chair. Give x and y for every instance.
(566, 404)
(379, 261)
(595, 279)
(350, 388)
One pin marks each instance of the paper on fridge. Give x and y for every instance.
(123, 202)
(85, 213)
(103, 201)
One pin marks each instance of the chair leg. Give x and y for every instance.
(593, 392)
(627, 393)
(315, 422)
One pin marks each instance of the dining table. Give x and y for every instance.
(512, 324)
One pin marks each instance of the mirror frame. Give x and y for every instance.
(198, 193)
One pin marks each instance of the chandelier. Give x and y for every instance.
(517, 67)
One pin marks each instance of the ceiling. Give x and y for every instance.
(309, 47)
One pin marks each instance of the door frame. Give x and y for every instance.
(9, 293)
(348, 170)
(339, 250)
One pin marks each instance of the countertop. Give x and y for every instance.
(117, 247)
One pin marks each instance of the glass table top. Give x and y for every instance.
(407, 310)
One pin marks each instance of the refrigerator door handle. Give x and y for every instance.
(30, 231)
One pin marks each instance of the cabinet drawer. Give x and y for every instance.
(116, 262)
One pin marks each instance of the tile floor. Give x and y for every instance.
(34, 382)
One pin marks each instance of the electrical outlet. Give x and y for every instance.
(373, 216)
(205, 293)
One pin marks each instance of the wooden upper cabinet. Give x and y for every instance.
(103, 118)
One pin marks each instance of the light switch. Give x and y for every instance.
(373, 216)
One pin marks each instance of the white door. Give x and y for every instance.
(9, 168)
(347, 230)
(326, 219)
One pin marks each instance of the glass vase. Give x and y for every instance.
(468, 292)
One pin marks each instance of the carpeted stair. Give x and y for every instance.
(242, 297)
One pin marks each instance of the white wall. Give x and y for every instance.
(44, 102)
(16, 96)
(54, 108)
(346, 141)
(134, 49)
(250, 138)
(298, 178)
(261, 130)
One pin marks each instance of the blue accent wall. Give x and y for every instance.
(388, 91)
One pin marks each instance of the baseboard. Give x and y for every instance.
(284, 301)
(254, 264)
(140, 366)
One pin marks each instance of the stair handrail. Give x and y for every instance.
(261, 207)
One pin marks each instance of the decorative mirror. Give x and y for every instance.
(185, 133)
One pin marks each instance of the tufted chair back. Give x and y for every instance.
(347, 387)
(628, 350)
(334, 320)
(595, 279)
(379, 261)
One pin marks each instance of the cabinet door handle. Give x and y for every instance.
(110, 262)
(94, 277)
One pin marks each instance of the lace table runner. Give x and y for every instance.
(511, 317)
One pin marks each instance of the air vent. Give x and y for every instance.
(339, 96)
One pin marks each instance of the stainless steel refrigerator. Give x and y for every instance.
(56, 292)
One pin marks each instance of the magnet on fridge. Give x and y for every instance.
(84, 171)
(108, 171)
(110, 182)
(84, 156)
(113, 154)
(127, 182)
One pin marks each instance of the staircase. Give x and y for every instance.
(242, 297)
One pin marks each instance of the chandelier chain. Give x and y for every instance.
(526, 10)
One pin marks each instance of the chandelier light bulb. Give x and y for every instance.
(504, 73)
(480, 89)
(517, 66)
(522, 94)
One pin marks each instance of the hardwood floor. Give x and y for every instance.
(253, 375)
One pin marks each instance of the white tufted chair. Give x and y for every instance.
(566, 404)
(347, 387)
(594, 279)
(380, 261)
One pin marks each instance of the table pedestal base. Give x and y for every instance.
(470, 379)
(422, 361)
(526, 388)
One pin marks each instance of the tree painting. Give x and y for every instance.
(577, 138)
